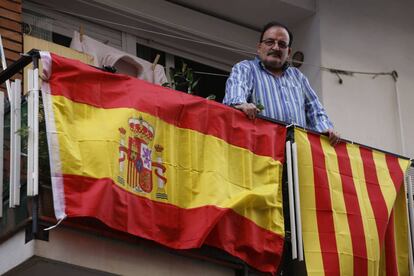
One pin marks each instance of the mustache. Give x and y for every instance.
(272, 53)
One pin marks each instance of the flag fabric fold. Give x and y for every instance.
(163, 165)
(353, 206)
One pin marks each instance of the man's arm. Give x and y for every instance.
(316, 116)
(238, 89)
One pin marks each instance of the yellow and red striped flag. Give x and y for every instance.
(163, 165)
(353, 206)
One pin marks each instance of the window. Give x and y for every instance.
(211, 80)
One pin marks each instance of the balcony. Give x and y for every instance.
(87, 246)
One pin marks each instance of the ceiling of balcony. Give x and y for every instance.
(230, 23)
(250, 14)
(253, 14)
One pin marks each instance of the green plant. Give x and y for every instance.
(260, 106)
(182, 79)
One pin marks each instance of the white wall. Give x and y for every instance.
(306, 38)
(15, 251)
(372, 36)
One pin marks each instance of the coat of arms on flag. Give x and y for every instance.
(139, 158)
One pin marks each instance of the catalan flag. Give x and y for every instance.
(353, 206)
(163, 165)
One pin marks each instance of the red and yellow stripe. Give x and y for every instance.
(223, 171)
(350, 217)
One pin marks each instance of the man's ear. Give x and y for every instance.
(289, 52)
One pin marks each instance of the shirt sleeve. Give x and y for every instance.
(316, 117)
(238, 85)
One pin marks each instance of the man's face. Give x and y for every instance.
(273, 50)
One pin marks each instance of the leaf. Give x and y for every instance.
(23, 132)
(211, 97)
(194, 84)
(260, 106)
(190, 77)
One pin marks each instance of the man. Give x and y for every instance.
(283, 91)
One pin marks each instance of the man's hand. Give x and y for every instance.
(249, 109)
(334, 137)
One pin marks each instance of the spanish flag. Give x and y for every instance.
(353, 206)
(163, 165)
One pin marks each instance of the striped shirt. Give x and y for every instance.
(288, 98)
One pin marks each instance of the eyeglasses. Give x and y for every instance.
(271, 42)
